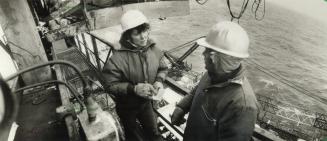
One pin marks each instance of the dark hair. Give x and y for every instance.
(127, 34)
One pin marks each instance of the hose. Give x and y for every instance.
(62, 62)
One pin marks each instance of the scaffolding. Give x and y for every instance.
(288, 120)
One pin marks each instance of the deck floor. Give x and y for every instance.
(37, 118)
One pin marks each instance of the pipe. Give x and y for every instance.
(187, 53)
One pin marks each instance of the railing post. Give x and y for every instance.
(108, 55)
(78, 42)
(96, 53)
(86, 47)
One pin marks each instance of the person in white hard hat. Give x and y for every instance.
(223, 105)
(134, 74)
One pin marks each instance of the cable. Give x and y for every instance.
(201, 3)
(9, 42)
(255, 8)
(243, 8)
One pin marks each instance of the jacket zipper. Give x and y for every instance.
(144, 68)
(214, 121)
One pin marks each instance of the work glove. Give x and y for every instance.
(158, 85)
(144, 90)
(177, 118)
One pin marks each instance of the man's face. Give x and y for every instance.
(140, 38)
(218, 63)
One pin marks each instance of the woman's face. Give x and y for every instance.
(140, 38)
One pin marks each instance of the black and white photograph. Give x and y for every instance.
(163, 70)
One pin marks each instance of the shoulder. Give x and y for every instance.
(244, 97)
(117, 57)
(156, 50)
(154, 47)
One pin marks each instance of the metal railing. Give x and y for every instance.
(91, 49)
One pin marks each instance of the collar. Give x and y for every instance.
(127, 46)
(237, 79)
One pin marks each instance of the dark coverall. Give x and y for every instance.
(126, 68)
(225, 111)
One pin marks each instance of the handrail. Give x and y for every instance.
(93, 53)
(102, 40)
(95, 49)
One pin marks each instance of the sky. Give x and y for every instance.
(313, 8)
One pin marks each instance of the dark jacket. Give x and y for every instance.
(225, 111)
(129, 66)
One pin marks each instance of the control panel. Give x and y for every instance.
(166, 108)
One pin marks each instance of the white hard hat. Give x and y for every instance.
(132, 18)
(228, 38)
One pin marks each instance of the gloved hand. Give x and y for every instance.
(144, 90)
(158, 85)
(177, 118)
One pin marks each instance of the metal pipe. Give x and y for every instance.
(187, 53)
(171, 58)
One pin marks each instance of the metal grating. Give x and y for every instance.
(72, 55)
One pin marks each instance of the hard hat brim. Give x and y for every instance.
(131, 27)
(204, 43)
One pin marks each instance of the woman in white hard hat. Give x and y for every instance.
(223, 107)
(134, 73)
